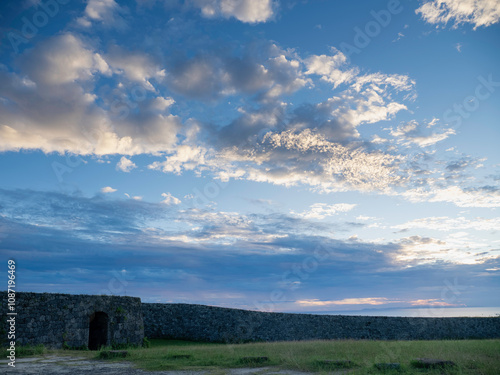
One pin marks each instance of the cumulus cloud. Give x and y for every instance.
(161, 103)
(105, 12)
(52, 105)
(328, 67)
(186, 157)
(477, 12)
(369, 98)
(107, 189)
(84, 113)
(312, 144)
(125, 165)
(285, 73)
(170, 199)
(248, 11)
(135, 66)
(63, 59)
(212, 75)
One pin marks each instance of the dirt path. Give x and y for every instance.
(56, 365)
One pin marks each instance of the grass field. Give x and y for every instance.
(470, 356)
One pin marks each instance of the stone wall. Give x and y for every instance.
(58, 319)
(216, 324)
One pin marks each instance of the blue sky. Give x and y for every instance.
(302, 156)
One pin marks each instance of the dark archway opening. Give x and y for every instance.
(98, 330)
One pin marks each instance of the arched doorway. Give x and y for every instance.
(98, 330)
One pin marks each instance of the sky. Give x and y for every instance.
(271, 155)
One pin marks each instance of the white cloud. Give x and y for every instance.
(185, 158)
(125, 165)
(248, 11)
(100, 9)
(431, 302)
(284, 75)
(372, 301)
(346, 301)
(413, 133)
(136, 197)
(456, 195)
(63, 59)
(418, 250)
(321, 210)
(211, 75)
(108, 189)
(376, 139)
(170, 199)
(445, 223)
(135, 66)
(54, 108)
(292, 158)
(222, 228)
(368, 99)
(161, 103)
(105, 12)
(377, 81)
(433, 122)
(328, 67)
(366, 218)
(477, 12)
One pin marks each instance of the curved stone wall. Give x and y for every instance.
(63, 320)
(216, 324)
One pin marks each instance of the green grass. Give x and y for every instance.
(480, 357)
(29, 350)
(471, 356)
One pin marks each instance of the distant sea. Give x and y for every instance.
(433, 312)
